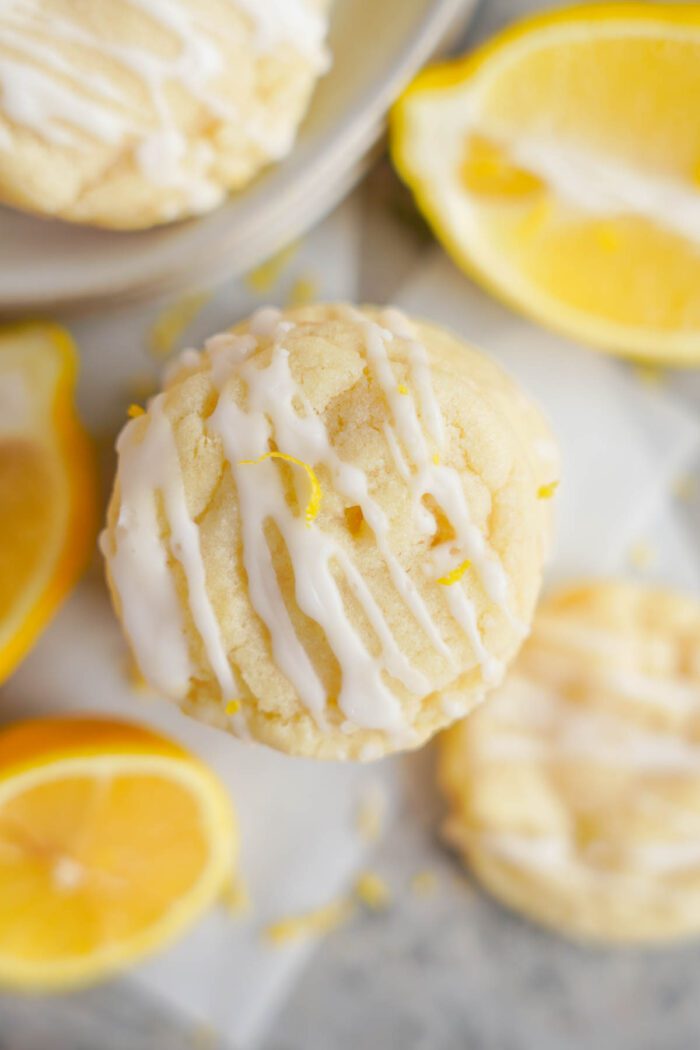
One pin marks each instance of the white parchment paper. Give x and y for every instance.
(622, 446)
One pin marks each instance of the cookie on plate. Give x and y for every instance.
(574, 790)
(130, 113)
(327, 533)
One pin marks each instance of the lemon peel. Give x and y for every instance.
(455, 575)
(547, 491)
(314, 504)
(232, 707)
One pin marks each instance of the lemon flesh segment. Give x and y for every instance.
(559, 165)
(112, 840)
(47, 485)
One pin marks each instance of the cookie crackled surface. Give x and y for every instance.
(327, 532)
(130, 113)
(574, 791)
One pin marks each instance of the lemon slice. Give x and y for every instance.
(560, 165)
(112, 840)
(47, 490)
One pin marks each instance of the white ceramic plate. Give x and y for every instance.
(377, 46)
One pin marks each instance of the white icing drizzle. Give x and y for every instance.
(139, 565)
(556, 855)
(147, 468)
(437, 480)
(67, 108)
(568, 731)
(364, 697)
(276, 410)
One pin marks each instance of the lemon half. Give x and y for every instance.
(560, 166)
(47, 483)
(112, 841)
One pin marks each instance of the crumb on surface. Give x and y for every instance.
(686, 487)
(424, 883)
(641, 555)
(172, 322)
(264, 277)
(371, 889)
(303, 292)
(371, 811)
(235, 898)
(317, 922)
(204, 1037)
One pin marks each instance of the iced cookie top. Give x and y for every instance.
(355, 499)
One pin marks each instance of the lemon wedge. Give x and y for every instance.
(559, 166)
(112, 841)
(47, 485)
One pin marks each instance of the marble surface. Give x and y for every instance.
(446, 971)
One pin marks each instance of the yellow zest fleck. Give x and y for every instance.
(314, 504)
(173, 321)
(135, 410)
(424, 883)
(303, 291)
(372, 890)
(369, 820)
(402, 388)
(235, 898)
(456, 574)
(547, 491)
(436, 459)
(233, 707)
(266, 276)
(641, 555)
(314, 923)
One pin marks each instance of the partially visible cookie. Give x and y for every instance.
(575, 790)
(129, 113)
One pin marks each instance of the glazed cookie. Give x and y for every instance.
(575, 790)
(327, 533)
(129, 113)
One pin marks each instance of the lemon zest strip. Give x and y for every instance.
(547, 491)
(314, 504)
(456, 574)
(232, 707)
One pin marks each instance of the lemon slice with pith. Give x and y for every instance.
(560, 165)
(47, 488)
(112, 841)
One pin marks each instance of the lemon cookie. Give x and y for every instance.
(575, 790)
(327, 533)
(130, 113)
